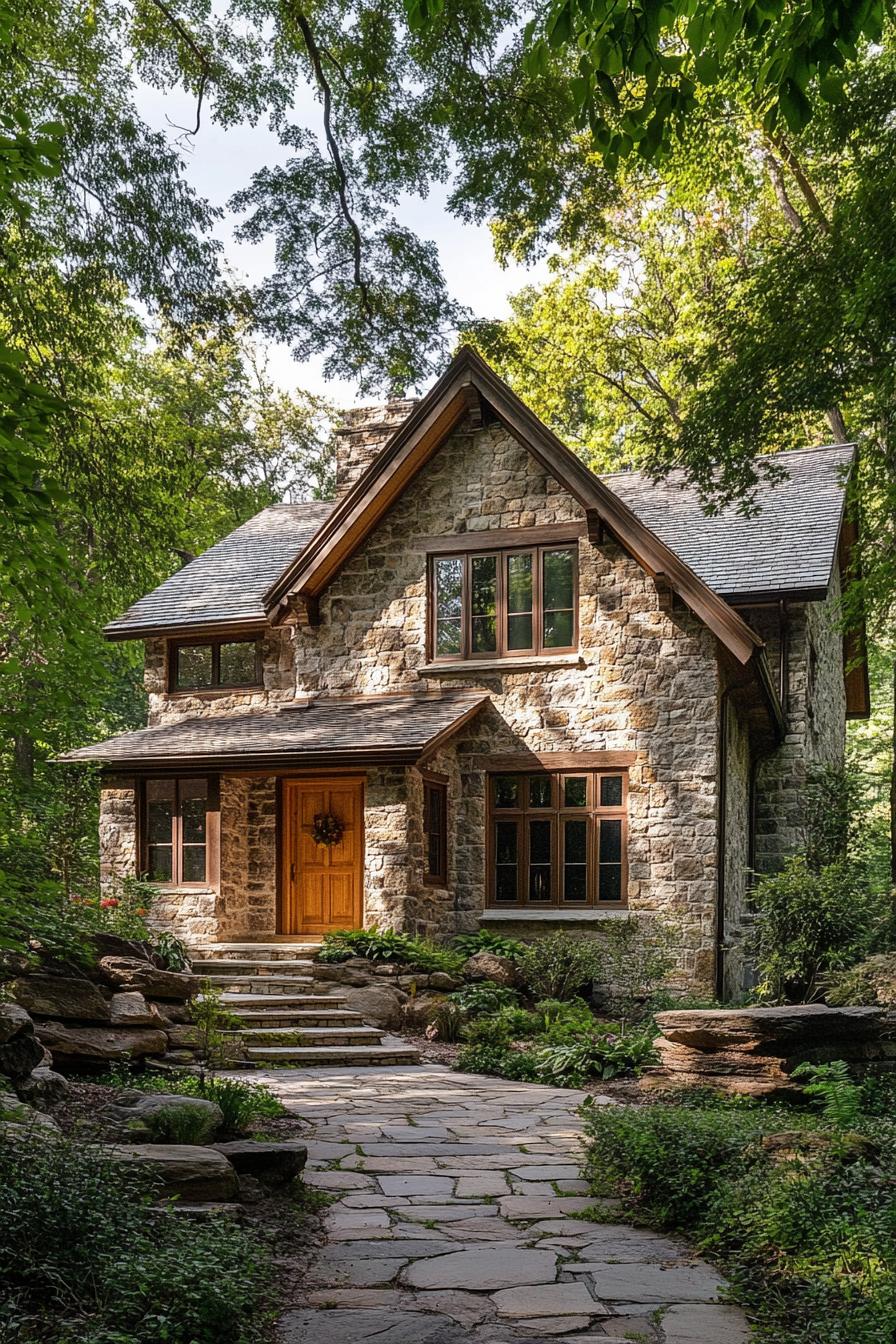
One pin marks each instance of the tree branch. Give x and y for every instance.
(802, 181)
(791, 214)
(205, 65)
(335, 154)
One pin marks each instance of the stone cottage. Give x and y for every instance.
(485, 686)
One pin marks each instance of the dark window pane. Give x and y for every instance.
(192, 810)
(611, 790)
(483, 585)
(484, 634)
(507, 790)
(540, 791)
(158, 863)
(194, 665)
(194, 863)
(519, 632)
(610, 882)
(575, 792)
(519, 583)
(505, 882)
(159, 811)
(449, 586)
(434, 805)
(505, 842)
(540, 883)
(611, 842)
(447, 636)
(575, 848)
(575, 882)
(540, 842)
(238, 664)
(557, 630)
(557, 578)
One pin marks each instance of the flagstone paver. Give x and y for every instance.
(454, 1222)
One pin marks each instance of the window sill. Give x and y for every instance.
(471, 666)
(557, 916)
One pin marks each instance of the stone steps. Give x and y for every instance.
(275, 997)
(334, 1056)
(308, 1036)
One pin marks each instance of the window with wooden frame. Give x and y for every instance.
(215, 664)
(558, 838)
(435, 830)
(504, 604)
(179, 831)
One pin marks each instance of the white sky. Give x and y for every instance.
(219, 162)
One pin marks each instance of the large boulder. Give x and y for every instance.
(420, 1010)
(131, 973)
(489, 966)
(343, 973)
(100, 1045)
(271, 1163)
(113, 945)
(128, 1008)
(185, 1171)
(69, 997)
(380, 1005)
(20, 1050)
(14, 1111)
(43, 1088)
(148, 1116)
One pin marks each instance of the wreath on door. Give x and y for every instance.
(326, 829)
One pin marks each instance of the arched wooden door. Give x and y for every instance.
(321, 885)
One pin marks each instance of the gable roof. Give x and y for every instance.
(466, 383)
(225, 585)
(372, 730)
(788, 546)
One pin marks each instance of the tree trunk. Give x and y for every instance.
(893, 790)
(23, 757)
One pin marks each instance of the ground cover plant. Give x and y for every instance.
(797, 1206)
(244, 1104)
(88, 1256)
(384, 945)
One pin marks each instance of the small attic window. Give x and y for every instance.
(216, 664)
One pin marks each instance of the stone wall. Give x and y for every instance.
(816, 719)
(736, 875)
(118, 830)
(362, 433)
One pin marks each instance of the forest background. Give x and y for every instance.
(709, 189)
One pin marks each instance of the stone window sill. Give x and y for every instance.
(472, 666)
(555, 916)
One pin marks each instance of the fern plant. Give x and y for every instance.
(835, 1091)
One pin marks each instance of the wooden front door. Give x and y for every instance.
(322, 885)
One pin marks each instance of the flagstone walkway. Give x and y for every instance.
(455, 1223)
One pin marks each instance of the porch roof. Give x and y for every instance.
(370, 730)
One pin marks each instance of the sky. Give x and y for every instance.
(220, 161)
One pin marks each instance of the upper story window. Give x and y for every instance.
(212, 664)
(502, 604)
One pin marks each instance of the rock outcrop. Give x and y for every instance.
(755, 1050)
(76, 1045)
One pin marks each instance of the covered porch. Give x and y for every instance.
(286, 824)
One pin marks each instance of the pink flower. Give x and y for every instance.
(109, 903)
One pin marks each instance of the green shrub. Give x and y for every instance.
(519, 1022)
(447, 1022)
(484, 997)
(172, 952)
(637, 953)
(559, 965)
(809, 924)
(487, 1031)
(181, 1124)
(468, 944)
(242, 1103)
(834, 1090)
(498, 1060)
(564, 1021)
(381, 945)
(85, 1257)
(603, 1054)
(808, 1243)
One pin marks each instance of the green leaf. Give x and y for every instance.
(795, 106)
(707, 68)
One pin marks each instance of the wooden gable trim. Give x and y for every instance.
(420, 436)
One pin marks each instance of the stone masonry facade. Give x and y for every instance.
(646, 681)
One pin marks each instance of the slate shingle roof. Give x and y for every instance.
(396, 729)
(788, 547)
(227, 582)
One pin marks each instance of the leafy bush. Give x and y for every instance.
(519, 1022)
(85, 1257)
(242, 1103)
(499, 1061)
(807, 1241)
(809, 924)
(604, 1054)
(381, 945)
(484, 997)
(171, 952)
(447, 1022)
(181, 1124)
(563, 1021)
(834, 1089)
(468, 944)
(487, 1031)
(637, 954)
(558, 965)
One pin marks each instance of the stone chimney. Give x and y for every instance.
(363, 432)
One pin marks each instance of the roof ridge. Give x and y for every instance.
(758, 457)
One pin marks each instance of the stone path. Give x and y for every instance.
(455, 1223)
